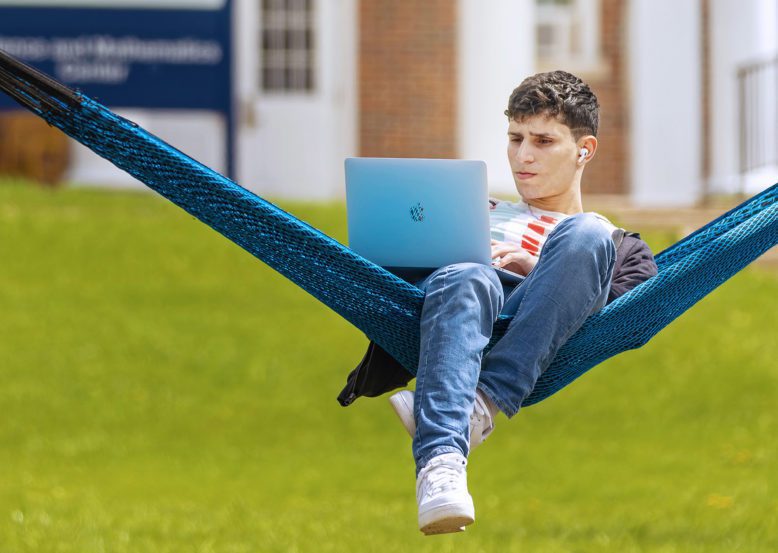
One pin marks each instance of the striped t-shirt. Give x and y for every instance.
(528, 226)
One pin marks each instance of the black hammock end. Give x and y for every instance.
(35, 90)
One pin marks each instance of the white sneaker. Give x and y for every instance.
(481, 422)
(441, 492)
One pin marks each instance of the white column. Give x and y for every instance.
(665, 80)
(496, 51)
(741, 32)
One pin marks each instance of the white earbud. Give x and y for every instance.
(583, 154)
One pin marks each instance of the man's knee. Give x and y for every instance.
(471, 275)
(586, 227)
(467, 273)
(476, 272)
(582, 236)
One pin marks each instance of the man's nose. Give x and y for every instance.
(524, 153)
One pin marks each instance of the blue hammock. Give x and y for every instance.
(384, 307)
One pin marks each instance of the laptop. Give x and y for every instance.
(412, 216)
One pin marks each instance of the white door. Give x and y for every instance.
(296, 84)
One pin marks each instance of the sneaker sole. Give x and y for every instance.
(437, 529)
(404, 412)
(445, 522)
(445, 519)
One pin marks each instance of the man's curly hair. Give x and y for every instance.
(557, 94)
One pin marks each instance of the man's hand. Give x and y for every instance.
(510, 256)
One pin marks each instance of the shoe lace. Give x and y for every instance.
(441, 477)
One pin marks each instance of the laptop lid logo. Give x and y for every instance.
(417, 212)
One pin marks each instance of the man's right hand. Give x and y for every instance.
(512, 257)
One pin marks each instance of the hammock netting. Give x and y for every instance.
(384, 307)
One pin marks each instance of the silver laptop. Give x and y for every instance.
(412, 216)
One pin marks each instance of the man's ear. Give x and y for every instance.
(590, 143)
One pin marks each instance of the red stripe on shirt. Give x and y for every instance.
(541, 230)
(530, 248)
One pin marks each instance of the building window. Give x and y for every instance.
(287, 45)
(567, 33)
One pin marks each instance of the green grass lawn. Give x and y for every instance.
(162, 390)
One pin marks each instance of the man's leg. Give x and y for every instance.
(461, 304)
(570, 282)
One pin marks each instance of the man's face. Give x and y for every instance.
(543, 156)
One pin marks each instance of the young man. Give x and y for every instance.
(574, 263)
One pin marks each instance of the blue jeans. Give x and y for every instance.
(570, 282)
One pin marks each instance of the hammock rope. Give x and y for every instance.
(384, 307)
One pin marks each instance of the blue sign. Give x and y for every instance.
(170, 54)
(145, 58)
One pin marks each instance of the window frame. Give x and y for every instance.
(579, 47)
(287, 47)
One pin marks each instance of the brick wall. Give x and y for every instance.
(408, 82)
(609, 171)
(407, 78)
